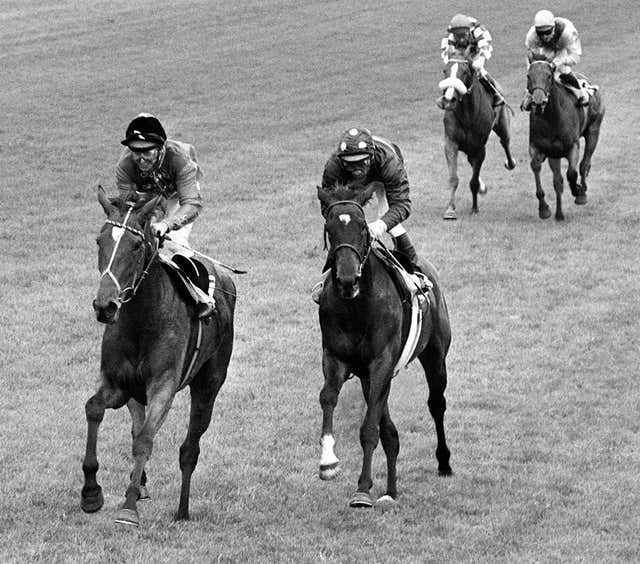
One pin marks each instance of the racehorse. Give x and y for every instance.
(468, 119)
(151, 348)
(363, 331)
(555, 127)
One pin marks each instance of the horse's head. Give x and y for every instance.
(348, 235)
(540, 77)
(125, 244)
(458, 79)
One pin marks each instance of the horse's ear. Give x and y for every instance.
(149, 208)
(363, 197)
(106, 204)
(324, 195)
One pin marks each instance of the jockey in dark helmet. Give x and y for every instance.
(558, 41)
(362, 158)
(466, 35)
(153, 164)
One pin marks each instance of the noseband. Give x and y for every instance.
(126, 294)
(361, 258)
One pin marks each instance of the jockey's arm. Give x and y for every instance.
(189, 198)
(396, 186)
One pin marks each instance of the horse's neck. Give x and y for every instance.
(473, 103)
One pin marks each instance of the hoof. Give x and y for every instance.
(361, 499)
(144, 494)
(581, 199)
(445, 470)
(93, 501)
(544, 213)
(450, 213)
(559, 217)
(329, 471)
(128, 517)
(385, 503)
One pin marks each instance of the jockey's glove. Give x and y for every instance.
(377, 228)
(160, 229)
(478, 63)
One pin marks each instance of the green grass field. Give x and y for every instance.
(543, 405)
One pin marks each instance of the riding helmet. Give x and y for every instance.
(145, 127)
(356, 144)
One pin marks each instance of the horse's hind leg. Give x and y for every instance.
(434, 364)
(335, 374)
(204, 390)
(502, 128)
(92, 499)
(590, 142)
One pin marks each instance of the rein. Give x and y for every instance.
(127, 294)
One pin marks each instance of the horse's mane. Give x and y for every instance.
(138, 199)
(345, 191)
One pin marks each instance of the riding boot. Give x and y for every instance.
(571, 81)
(404, 246)
(491, 87)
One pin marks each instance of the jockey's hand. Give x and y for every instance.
(478, 63)
(377, 228)
(160, 229)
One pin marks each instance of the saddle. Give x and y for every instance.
(407, 283)
(192, 275)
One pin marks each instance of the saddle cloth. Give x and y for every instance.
(415, 291)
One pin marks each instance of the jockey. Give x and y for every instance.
(557, 39)
(151, 163)
(362, 158)
(467, 35)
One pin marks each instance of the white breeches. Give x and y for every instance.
(383, 207)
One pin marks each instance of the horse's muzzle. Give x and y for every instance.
(349, 288)
(107, 313)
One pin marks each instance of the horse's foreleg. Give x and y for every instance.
(475, 184)
(92, 499)
(204, 390)
(451, 154)
(502, 129)
(537, 159)
(375, 388)
(558, 185)
(160, 399)
(335, 374)
(137, 411)
(391, 446)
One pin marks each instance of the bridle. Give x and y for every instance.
(543, 90)
(362, 256)
(126, 294)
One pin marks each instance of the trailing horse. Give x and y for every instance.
(555, 127)
(153, 346)
(469, 119)
(364, 326)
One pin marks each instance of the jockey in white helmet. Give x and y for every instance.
(558, 41)
(465, 34)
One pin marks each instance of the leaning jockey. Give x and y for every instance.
(466, 34)
(363, 158)
(557, 39)
(151, 163)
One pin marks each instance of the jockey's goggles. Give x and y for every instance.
(355, 160)
(141, 150)
(544, 31)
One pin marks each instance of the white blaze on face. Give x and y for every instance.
(117, 233)
(345, 218)
(454, 72)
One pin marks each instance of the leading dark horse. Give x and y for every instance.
(555, 128)
(363, 332)
(151, 348)
(469, 119)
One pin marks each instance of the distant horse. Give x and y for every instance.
(468, 120)
(152, 347)
(555, 127)
(363, 332)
